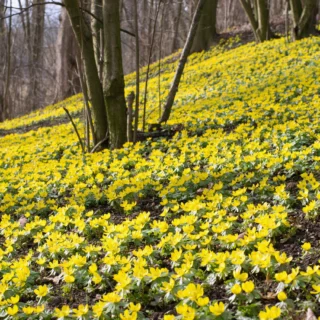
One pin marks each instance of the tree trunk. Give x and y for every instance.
(37, 50)
(175, 45)
(96, 27)
(251, 16)
(66, 65)
(206, 33)
(84, 39)
(258, 16)
(5, 99)
(136, 113)
(3, 31)
(113, 79)
(182, 62)
(303, 18)
(263, 20)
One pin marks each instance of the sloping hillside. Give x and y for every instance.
(219, 222)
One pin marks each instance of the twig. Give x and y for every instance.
(61, 5)
(100, 143)
(148, 68)
(136, 112)
(75, 129)
(130, 100)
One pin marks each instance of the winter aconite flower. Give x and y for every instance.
(282, 296)
(217, 309)
(306, 246)
(270, 313)
(236, 289)
(42, 291)
(248, 286)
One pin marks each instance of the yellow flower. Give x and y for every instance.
(38, 309)
(93, 268)
(96, 278)
(168, 286)
(112, 297)
(236, 289)
(201, 302)
(281, 277)
(169, 317)
(134, 307)
(217, 309)
(69, 279)
(28, 310)
(316, 288)
(11, 311)
(14, 299)
(41, 261)
(63, 312)
(192, 292)
(240, 276)
(98, 308)
(186, 311)
(282, 296)
(270, 313)
(42, 291)
(81, 310)
(306, 246)
(248, 286)
(128, 316)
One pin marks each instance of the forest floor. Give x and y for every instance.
(218, 220)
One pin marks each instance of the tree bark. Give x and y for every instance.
(96, 27)
(175, 45)
(3, 31)
(68, 82)
(6, 96)
(113, 79)
(303, 18)
(136, 113)
(258, 16)
(206, 33)
(37, 50)
(182, 62)
(84, 39)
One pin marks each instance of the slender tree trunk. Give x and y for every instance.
(136, 113)
(6, 95)
(84, 39)
(206, 33)
(96, 27)
(37, 50)
(3, 31)
(113, 79)
(148, 68)
(251, 16)
(182, 62)
(67, 78)
(175, 43)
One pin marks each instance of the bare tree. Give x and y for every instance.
(83, 35)
(182, 62)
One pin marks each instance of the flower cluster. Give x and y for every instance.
(186, 228)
